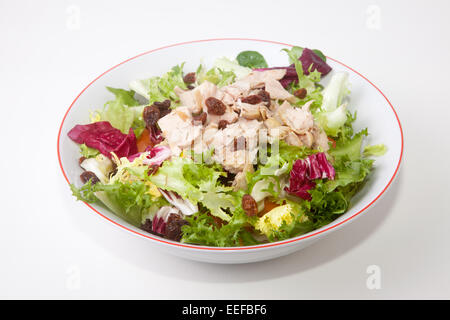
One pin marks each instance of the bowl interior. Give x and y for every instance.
(373, 111)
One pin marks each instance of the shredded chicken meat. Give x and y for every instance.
(234, 134)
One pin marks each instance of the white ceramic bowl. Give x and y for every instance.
(374, 111)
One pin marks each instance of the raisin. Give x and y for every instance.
(173, 227)
(215, 106)
(249, 205)
(147, 226)
(240, 143)
(300, 93)
(189, 78)
(253, 99)
(265, 96)
(200, 118)
(190, 87)
(162, 105)
(151, 115)
(222, 124)
(89, 175)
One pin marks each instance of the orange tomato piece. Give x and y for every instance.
(333, 142)
(268, 205)
(144, 141)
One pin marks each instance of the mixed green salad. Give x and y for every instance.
(237, 154)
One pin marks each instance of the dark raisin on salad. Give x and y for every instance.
(89, 175)
(300, 93)
(189, 78)
(265, 96)
(147, 226)
(249, 205)
(164, 107)
(215, 106)
(253, 99)
(222, 124)
(173, 227)
(151, 115)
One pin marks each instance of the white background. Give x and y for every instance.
(54, 247)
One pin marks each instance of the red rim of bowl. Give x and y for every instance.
(308, 235)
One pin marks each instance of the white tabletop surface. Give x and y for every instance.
(54, 247)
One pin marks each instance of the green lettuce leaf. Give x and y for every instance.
(325, 206)
(197, 182)
(170, 177)
(333, 114)
(203, 230)
(126, 96)
(335, 92)
(215, 75)
(228, 65)
(375, 150)
(331, 198)
(280, 159)
(251, 59)
(160, 88)
(294, 53)
(128, 200)
(124, 112)
(88, 152)
(309, 82)
(348, 172)
(350, 148)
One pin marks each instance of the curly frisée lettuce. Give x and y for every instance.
(198, 183)
(140, 160)
(129, 200)
(284, 222)
(215, 75)
(224, 72)
(331, 198)
(160, 88)
(204, 230)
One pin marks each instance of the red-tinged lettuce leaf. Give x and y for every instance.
(311, 62)
(105, 138)
(299, 184)
(319, 167)
(158, 155)
(133, 157)
(304, 171)
(159, 225)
